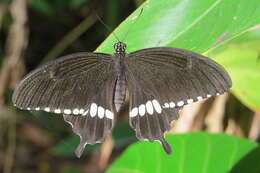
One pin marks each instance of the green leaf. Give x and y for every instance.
(240, 57)
(194, 152)
(194, 25)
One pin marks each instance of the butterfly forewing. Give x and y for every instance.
(64, 85)
(162, 80)
(80, 86)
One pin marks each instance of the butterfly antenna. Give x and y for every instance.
(130, 28)
(107, 27)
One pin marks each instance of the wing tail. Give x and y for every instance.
(90, 129)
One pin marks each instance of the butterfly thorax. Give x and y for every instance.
(120, 88)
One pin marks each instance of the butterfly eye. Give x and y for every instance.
(115, 46)
(124, 46)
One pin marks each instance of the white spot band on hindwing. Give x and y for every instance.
(154, 106)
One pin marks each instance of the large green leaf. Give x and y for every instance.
(241, 58)
(198, 26)
(194, 152)
(194, 25)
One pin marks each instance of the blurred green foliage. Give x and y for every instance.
(50, 7)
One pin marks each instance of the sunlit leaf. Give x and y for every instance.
(198, 26)
(194, 152)
(194, 25)
(241, 58)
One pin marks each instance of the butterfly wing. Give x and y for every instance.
(93, 129)
(78, 84)
(162, 80)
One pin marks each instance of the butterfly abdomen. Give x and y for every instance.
(120, 91)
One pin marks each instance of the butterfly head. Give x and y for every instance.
(120, 47)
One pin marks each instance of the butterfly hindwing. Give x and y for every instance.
(169, 78)
(148, 117)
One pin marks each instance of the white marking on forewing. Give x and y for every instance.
(190, 101)
(57, 111)
(172, 105)
(199, 98)
(180, 103)
(109, 114)
(85, 113)
(157, 106)
(208, 95)
(67, 111)
(93, 109)
(166, 105)
(75, 111)
(134, 112)
(101, 112)
(37, 109)
(47, 109)
(28, 109)
(142, 110)
(149, 107)
(81, 111)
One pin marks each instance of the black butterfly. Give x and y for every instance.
(89, 89)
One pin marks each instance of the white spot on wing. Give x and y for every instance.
(47, 109)
(37, 109)
(157, 106)
(142, 110)
(149, 107)
(217, 94)
(93, 109)
(85, 113)
(208, 95)
(172, 105)
(101, 112)
(28, 109)
(190, 101)
(81, 111)
(199, 98)
(57, 111)
(180, 103)
(75, 111)
(134, 112)
(166, 105)
(109, 114)
(67, 111)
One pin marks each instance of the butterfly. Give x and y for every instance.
(89, 90)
